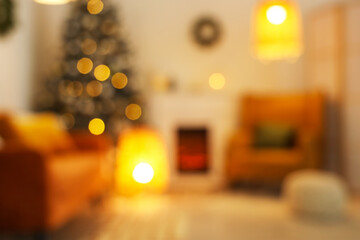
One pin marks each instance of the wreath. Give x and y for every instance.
(6, 16)
(206, 31)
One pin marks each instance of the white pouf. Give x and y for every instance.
(315, 194)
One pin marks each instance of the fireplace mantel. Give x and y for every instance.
(216, 113)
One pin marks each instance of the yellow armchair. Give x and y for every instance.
(303, 112)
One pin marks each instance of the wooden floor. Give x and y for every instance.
(220, 216)
(205, 217)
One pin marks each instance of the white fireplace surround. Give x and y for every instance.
(217, 113)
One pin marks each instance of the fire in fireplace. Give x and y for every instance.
(192, 150)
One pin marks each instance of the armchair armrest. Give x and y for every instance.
(310, 144)
(241, 138)
(240, 141)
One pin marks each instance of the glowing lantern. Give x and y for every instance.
(277, 30)
(141, 162)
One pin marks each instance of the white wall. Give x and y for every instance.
(159, 30)
(351, 96)
(159, 33)
(49, 21)
(16, 59)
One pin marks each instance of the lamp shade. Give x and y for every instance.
(277, 30)
(141, 164)
(53, 2)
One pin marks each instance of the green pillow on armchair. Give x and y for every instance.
(274, 135)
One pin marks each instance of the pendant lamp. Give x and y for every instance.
(277, 30)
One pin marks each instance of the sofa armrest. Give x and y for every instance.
(22, 188)
(86, 141)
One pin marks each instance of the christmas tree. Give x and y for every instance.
(93, 86)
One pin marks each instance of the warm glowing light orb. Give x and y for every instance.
(95, 6)
(96, 126)
(94, 88)
(102, 72)
(143, 173)
(217, 81)
(133, 111)
(276, 14)
(84, 65)
(119, 80)
(88, 46)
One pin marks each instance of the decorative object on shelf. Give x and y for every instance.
(277, 30)
(162, 83)
(206, 31)
(142, 165)
(53, 2)
(6, 16)
(94, 79)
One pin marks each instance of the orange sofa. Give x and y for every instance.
(46, 174)
(250, 164)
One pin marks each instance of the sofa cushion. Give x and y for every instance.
(43, 132)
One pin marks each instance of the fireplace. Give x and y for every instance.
(195, 130)
(192, 150)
